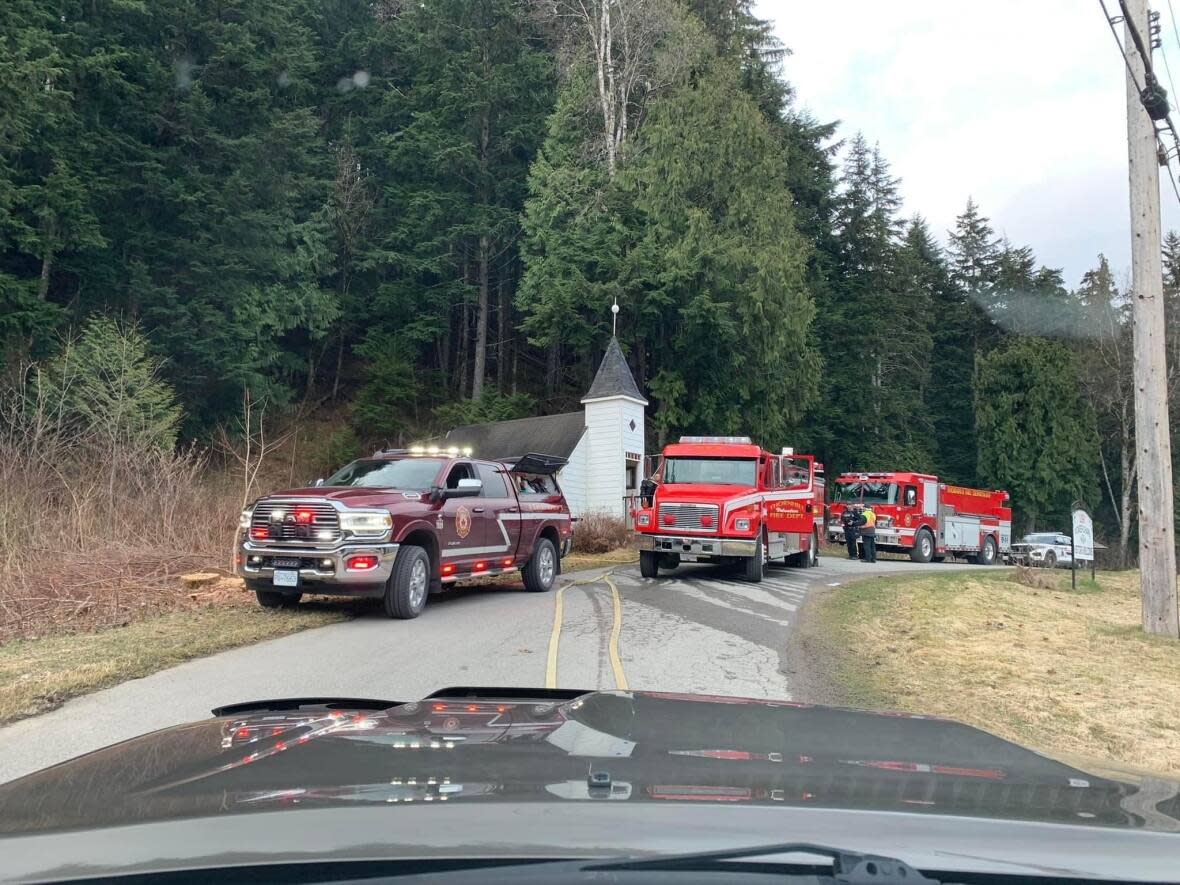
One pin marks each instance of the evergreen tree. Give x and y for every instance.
(718, 268)
(573, 240)
(463, 116)
(972, 255)
(1035, 431)
(1105, 361)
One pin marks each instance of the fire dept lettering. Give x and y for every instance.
(462, 522)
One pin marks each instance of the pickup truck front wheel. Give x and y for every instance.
(405, 594)
(541, 570)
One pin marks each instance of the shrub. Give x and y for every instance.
(600, 533)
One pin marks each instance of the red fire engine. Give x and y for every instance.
(724, 498)
(928, 519)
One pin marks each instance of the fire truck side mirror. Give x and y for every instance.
(647, 491)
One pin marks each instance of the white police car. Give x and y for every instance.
(1047, 549)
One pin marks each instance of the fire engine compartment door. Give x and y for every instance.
(789, 515)
(929, 497)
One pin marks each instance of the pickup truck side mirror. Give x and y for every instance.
(468, 488)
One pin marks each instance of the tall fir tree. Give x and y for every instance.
(1036, 433)
(718, 269)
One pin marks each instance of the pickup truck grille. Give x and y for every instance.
(688, 517)
(277, 516)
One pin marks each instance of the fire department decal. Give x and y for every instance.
(462, 522)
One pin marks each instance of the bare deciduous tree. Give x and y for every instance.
(623, 39)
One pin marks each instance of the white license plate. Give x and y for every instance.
(286, 578)
(689, 557)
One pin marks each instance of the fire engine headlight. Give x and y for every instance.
(367, 523)
(244, 519)
(643, 519)
(742, 524)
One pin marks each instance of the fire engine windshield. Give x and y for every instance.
(412, 474)
(719, 471)
(867, 492)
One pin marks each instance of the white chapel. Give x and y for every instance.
(603, 443)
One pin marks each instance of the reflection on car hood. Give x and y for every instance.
(463, 746)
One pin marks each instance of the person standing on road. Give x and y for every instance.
(850, 519)
(868, 535)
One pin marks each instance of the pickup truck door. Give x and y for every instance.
(501, 515)
(460, 524)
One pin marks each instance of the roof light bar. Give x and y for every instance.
(724, 440)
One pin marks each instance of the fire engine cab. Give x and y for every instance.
(928, 519)
(724, 498)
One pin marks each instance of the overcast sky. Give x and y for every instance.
(1018, 104)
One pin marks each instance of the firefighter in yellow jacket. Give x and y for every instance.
(868, 535)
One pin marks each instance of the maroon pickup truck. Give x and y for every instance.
(402, 523)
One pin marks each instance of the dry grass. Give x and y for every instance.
(40, 674)
(1059, 670)
(599, 533)
(579, 561)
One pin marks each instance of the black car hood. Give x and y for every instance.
(467, 746)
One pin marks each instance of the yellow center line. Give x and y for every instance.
(616, 663)
(554, 638)
(555, 634)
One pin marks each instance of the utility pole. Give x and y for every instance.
(1157, 551)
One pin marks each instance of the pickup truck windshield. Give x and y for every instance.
(412, 474)
(867, 492)
(722, 471)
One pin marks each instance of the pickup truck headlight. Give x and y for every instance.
(244, 519)
(643, 519)
(368, 523)
(742, 524)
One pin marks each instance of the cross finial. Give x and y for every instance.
(614, 318)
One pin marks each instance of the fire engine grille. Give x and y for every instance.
(279, 519)
(688, 517)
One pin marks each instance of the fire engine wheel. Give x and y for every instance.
(649, 563)
(540, 571)
(813, 553)
(408, 586)
(755, 564)
(987, 556)
(923, 549)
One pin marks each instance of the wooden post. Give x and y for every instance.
(1157, 553)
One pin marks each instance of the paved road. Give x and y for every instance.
(700, 629)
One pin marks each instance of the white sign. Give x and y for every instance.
(1083, 536)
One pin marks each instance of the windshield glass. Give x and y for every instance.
(249, 243)
(867, 492)
(411, 474)
(718, 471)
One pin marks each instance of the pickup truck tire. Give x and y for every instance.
(540, 571)
(277, 599)
(409, 585)
(923, 549)
(649, 563)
